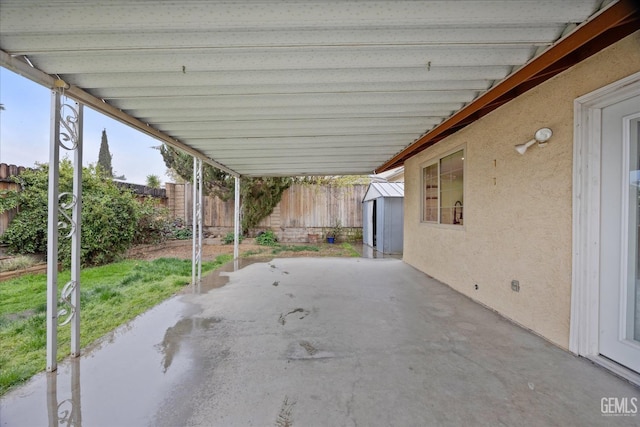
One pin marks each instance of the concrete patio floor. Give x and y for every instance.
(320, 342)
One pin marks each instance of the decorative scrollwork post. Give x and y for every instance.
(196, 269)
(236, 220)
(66, 132)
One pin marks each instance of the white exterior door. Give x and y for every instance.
(619, 293)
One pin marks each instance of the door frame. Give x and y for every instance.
(585, 287)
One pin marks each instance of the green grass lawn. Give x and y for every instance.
(110, 296)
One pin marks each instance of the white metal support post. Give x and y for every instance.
(52, 236)
(66, 132)
(200, 220)
(196, 266)
(193, 224)
(236, 219)
(76, 236)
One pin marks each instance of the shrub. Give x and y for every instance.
(267, 238)
(229, 238)
(17, 263)
(179, 230)
(109, 216)
(182, 234)
(154, 223)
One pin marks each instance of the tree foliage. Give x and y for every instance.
(336, 181)
(153, 181)
(110, 215)
(258, 195)
(104, 156)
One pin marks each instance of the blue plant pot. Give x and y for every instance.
(331, 239)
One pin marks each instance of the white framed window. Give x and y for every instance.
(443, 190)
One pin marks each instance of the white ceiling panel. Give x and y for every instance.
(305, 124)
(290, 77)
(198, 60)
(289, 100)
(186, 115)
(289, 87)
(391, 36)
(280, 89)
(174, 16)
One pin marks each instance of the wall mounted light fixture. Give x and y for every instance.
(541, 137)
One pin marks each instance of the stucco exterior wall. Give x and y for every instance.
(517, 209)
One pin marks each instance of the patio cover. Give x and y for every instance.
(290, 88)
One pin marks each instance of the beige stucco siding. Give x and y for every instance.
(517, 209)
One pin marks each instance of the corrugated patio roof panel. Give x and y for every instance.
(284, 87)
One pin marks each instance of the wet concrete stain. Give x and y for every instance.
(285, 416)
(274, 267)
(211, 281)
(174, 335)
(308, 347)
(441, 310)
(283, 317)
(306, 351)
(466, 326)
(219, 278)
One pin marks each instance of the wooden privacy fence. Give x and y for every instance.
(303, 210)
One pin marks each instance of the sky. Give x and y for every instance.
(24, 133)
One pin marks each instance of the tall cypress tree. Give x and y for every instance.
(104, 157)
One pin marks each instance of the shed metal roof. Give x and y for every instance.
(383, 189)
(282, 87)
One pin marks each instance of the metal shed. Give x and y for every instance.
(383, 217)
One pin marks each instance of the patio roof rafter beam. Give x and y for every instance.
(20, 66)
(604, 29)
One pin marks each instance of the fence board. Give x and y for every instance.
(302, 206)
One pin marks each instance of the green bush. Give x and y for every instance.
(154, 222)
(229, 238)
(267, 238)
(182, 234)
(179, 230)
(109, 216)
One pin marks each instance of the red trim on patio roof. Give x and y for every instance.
(605, 29)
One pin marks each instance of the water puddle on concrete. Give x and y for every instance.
(124, 378)
(118, 381)
(175, 335)
(220, 277)
(369, 252)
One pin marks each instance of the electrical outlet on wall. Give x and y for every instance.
(515, 286)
